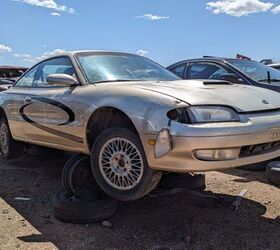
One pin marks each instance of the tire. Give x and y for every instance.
(273, 172)
(187, 181)
(261, 166)
(70, 209)
(9, 148)
(125, 174)
(82, 181)
(65, 173)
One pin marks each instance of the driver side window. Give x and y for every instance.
(212, 71)
(60, 65)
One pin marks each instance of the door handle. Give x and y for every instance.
(27, 100)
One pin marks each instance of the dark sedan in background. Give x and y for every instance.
(8, 75)
(233, 70)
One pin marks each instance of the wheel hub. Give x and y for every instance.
(121, 163)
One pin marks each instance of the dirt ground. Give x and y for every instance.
(179, 221)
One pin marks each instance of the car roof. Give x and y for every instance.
(207, 58)
(67, 53)
(72, 53)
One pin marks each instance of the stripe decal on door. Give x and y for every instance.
(70, 113)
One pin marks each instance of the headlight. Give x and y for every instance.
(204, 114)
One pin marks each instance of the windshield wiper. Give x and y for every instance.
(117, 80)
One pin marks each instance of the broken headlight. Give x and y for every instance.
(203, 114)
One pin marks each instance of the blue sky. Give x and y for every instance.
(164, 30)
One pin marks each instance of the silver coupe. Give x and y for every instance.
(136, 119)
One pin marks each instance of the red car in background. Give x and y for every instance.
(8, 75)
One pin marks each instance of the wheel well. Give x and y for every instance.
(105, 118)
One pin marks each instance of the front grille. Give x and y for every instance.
(259, 148)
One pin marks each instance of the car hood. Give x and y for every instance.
(241, 97)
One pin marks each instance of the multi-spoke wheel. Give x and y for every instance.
(120, 167)
(9, 148)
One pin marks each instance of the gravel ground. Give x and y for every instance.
(178, 221)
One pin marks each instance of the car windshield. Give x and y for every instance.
(257, 71)
(122, 67)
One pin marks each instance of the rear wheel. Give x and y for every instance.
(9, 148)
(120, 166)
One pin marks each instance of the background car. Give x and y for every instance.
(238, 71)
(9, 75)
(136, 120)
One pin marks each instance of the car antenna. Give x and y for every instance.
(268, 77)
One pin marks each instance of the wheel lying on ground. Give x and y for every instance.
(9, 148)
(69, 208)
(186, 181)
(120, 166)
(261, 166)
(77, 178)
(273, 172)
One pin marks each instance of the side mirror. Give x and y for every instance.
(61, 79)
(231, 77)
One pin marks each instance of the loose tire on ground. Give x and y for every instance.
(82, 181)
(187, 181)
(77, 178)
(9, 148)
(65, 173)
(70, 209)
(273, 172)
(120, 166)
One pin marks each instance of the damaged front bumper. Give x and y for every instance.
(206, 147)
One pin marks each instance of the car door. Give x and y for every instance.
(52, 114)
(19, 97)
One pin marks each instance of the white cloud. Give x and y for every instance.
(49, 4)
(238, 8)
(4, 48)
(29, 58)
(26, 56)
(276, 10)
(49, 53)
(152, 17)
(142, 52)
(55, 14)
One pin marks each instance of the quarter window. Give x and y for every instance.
(179, 70)
(27, 80)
